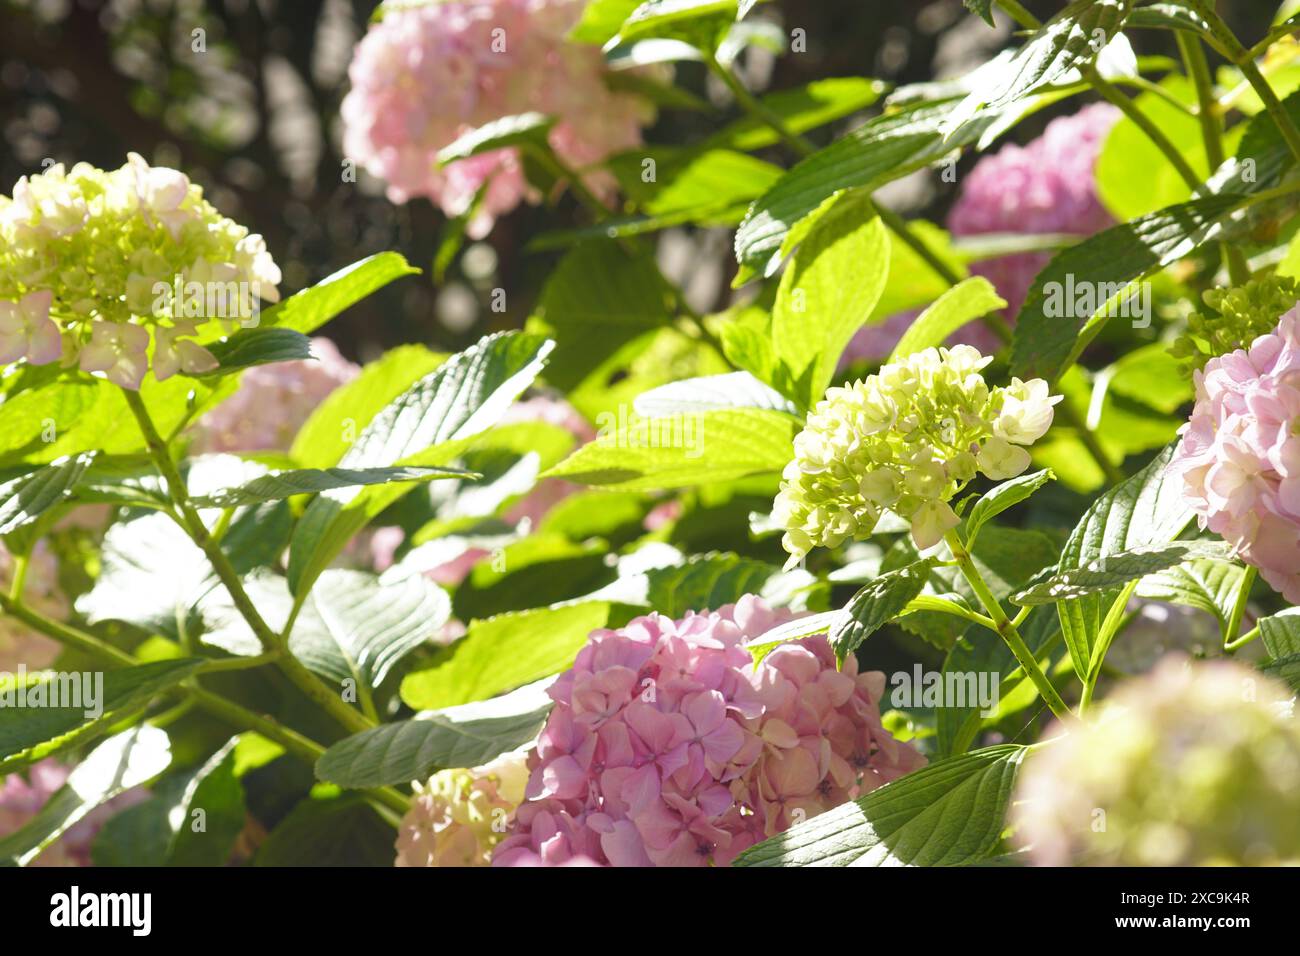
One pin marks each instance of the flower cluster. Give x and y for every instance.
(18, 643)
(273, 401)
(1237, 316)
(92, 262)
(1046, 187)
(1239, 455)
(459, 816)
(423, 77)
(1194, 764)
(906, 439)
(667, 746)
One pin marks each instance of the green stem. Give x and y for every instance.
(21, 563)
(1233, 646)
(1112, 95)
(1070, 416)
(226, 710)
(1113, 623)
(755, 108)
(1006, 629)
(292, 668)
(1233, 627)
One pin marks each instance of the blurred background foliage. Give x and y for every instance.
(248, 107)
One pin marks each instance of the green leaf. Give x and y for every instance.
(999, 499)
(311, 481)
(1281, 633)
(29, 733)
(27, 497)
(1152, 376)
(1114, 569)
(259, 346)
(309, 309)
(1128, 148)
(978, 652)
(1207, 584)
(964, 302)
(706, 582)
(878, 603)
(192, 819)
(598, 299)
(504, 652)
(1069, 41)
(329, 831)
(982, 9)
(795, 630)
(121, 762)
(828, 292)
(883, 149)
(701, 23)
(525, 129)
(950, 813)
(601, 20)
(328, 434)
(709, 182)
(465, 736)
(430, 420)
(681, 451)
(1146, 510)
(711, 393)
(1100, 269)
(801, 109)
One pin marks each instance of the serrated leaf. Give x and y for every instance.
(311, 308)
(950, 813)
(828, 292)
(706, 583)
(878, 603)
(311, 481)
(504, 652)
(1207, 584)
(162, 830)
(701, 23)
(465, 736)
(801, 109)
(121, 762)
(1147, 509)
(794, 630)
(525, 129)
(423, 426)
(1069, 41)
(1115, 569)
(999, 499)
(963, 303)
(1044, 344)
(329, 831)
(681, 451)
(1281, 633)
(259, 346)
(883, 149)
(27, 497)
(326, 436)
(29, 733)
(596, 301)
(711, 393)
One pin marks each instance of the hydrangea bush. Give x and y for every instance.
(630, 585)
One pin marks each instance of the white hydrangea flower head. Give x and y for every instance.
(906, 439)
(93, 262)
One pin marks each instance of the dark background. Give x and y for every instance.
(254, 119)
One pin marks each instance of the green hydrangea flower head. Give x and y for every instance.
(906, 439)
(1193, 764)
(96, 265)
(1234, 317)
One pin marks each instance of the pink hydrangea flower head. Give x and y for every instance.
(668, 747)
(273, 401)
(423, 77)
(1239, 456)
(1048, 186)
